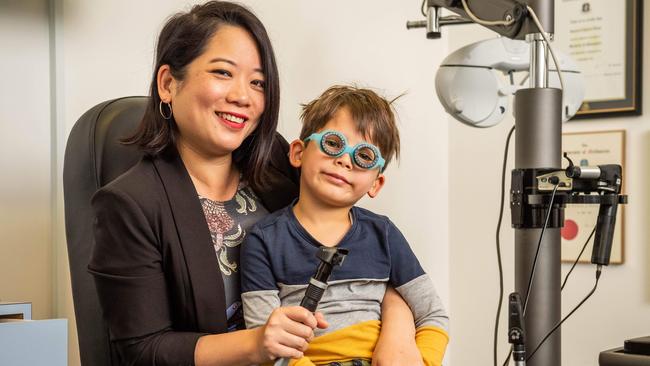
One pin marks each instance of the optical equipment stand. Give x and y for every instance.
(537, 148)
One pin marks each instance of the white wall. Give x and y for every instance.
(619, 309)
(107, 52)
(26, 268)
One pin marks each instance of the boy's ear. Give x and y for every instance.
(376, 185)
(296, 149)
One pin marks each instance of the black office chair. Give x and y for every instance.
(94, 157)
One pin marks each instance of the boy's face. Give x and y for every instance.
(334, 181)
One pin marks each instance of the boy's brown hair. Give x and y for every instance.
(374, 116)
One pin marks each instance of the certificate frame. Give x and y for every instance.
(592, 148)
(629, 34)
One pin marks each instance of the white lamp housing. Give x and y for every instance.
(473, 86)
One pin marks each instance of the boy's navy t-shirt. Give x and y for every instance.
(279, 257)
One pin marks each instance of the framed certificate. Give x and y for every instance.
(589, 149)
(604, 38)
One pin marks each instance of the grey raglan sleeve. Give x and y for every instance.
(413, 284)
(260, 294)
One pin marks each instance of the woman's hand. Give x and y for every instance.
(396, 343)
(287, 332)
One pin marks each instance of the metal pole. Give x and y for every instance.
(538, 61)
(538, 142)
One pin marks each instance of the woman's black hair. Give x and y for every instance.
(183, 39)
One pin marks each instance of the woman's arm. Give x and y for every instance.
(396, 344)
(131, 285)
(286, 334)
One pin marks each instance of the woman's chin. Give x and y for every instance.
(225, 142)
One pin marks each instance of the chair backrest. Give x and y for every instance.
(94, 157)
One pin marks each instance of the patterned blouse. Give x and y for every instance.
(229, 221)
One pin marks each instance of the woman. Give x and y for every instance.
(167, 282)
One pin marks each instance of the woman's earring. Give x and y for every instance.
(160, 108)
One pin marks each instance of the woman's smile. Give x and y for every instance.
(232, 120)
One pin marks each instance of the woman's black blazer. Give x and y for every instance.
(154, 265)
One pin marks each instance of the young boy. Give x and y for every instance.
(349, 135)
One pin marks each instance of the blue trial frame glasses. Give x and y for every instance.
(363, 154)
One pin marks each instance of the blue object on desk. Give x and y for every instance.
(34, 342)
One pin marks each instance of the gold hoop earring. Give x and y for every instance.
(160, 108)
